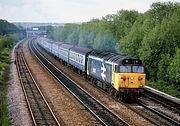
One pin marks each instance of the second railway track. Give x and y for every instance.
(40, 111)
(167, 102)
(103, 114)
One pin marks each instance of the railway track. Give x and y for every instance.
(167, 102)
(162, 116)
(157, 109)
(104, 115)
(163, 107)
(40, 111)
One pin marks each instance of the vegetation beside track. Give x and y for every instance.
(6, 44)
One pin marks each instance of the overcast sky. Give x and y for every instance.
(65, 11)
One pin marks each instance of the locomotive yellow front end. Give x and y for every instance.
(128, 79)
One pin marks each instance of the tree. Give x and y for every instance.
(104, 42)
(6, 27)
(163, 64)
(161, 40)
(122, 22)
(174, 68)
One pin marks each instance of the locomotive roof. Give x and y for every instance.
(113, 58)
(102, 54)
(80, 50)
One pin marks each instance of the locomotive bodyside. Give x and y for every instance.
(99, 69)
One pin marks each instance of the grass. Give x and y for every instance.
(6, 44)
(4, 68)
(4, 120)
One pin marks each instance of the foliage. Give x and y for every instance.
(174, 68)
(122, 23)
(165, 87)
(93, 34)
(4, 120)
(6, 27)
(162, 73)
(104, 42)
(161, 41)
(4, 61)
(6, 43)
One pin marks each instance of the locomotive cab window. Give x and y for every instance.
(122, 69)
(138, 69)
(117, 69)
(129, 69)
(125, 69)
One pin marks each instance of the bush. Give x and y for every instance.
(6, 43)
(174, 68)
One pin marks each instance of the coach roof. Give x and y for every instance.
(80, 50)
(66, 46)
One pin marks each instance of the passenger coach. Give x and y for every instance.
(78, 58)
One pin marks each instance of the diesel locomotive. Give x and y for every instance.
(122, 76)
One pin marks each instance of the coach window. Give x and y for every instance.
(78, 58)
(81, 60)
(74, 56)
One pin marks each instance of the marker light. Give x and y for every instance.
(123, 77)
(140, 78)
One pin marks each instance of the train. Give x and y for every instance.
(122, 76)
